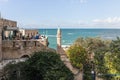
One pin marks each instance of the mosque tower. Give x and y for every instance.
(59, 38)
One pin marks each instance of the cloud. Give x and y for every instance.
(108, 20)
(78, 1)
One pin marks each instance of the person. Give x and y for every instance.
(37, 36)
(32, 37)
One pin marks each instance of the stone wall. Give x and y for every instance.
(12, 49)
(0, 43)
(6, 22)
(22, 43)
(31, 33)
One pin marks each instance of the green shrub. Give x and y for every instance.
(41, 66)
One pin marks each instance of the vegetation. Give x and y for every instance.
(96, 54)
(75, 52)
(41, 66)
(114, 58)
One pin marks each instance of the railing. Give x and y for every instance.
(23, 43)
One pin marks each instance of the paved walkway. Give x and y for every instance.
(77, 73)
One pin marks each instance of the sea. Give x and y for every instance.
(70, 35)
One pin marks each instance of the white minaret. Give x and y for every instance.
(59, 38)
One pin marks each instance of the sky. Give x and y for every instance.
(62, 13)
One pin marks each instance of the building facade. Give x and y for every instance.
(12, 44)
(6, 22)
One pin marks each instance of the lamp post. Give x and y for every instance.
(93, 75)
(93, 67)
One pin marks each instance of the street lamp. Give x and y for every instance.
(93, 74)
(93, 71)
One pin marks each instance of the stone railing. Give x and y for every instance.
(23, 43)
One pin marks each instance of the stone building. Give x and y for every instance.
(0, 43)
(6, 22)
(8, 28)
(13, 46)
(30, 32)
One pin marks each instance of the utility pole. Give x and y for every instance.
(0, 15)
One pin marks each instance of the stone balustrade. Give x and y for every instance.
(23, 43)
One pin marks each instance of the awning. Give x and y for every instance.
(12, 28)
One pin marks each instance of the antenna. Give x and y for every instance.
(0, 15)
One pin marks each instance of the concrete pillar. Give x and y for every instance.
(59, 38)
